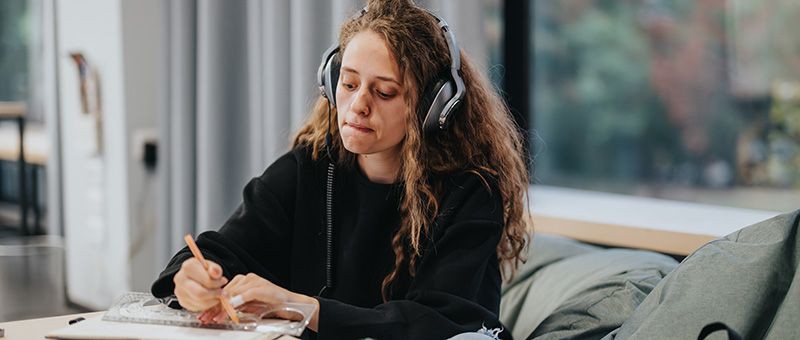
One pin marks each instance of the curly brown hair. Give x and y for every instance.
(482, 138)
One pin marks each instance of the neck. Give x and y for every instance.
(382, 167)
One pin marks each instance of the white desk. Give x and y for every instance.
(35, 329)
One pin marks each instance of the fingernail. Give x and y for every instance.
(237, 301)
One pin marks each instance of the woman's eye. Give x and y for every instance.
(349, 86)
(384, 95)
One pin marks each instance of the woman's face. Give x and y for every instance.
(370, 97)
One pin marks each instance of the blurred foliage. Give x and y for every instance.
(783, 163)
(14, 41)
(628, 92)
(764, 51)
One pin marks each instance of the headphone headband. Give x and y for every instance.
(435, 105)
(455, 70)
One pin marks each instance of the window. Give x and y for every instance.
(688, 100)
(18, 47)
(493, 30)
(14, 38)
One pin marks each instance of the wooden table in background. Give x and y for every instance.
(17, 111)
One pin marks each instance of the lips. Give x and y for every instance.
(359, 127)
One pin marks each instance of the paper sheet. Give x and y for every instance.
(142, 316)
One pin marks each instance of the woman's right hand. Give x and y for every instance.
(196, 288)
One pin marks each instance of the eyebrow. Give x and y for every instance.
(385, 78)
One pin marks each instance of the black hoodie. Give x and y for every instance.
(278, 233)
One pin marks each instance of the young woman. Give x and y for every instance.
(400, 223)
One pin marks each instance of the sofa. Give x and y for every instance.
(745, 285)
(568, 289)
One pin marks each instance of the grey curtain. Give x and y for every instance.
(240, 79)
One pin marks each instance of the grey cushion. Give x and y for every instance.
(748, 280)
(572, 290)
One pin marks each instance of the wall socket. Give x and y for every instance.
(144, 144)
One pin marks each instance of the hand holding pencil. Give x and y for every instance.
(198, 283)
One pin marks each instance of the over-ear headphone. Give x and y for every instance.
(437, 102)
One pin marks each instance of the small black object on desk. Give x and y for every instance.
(76, 320)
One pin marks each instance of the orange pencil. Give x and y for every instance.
(199, 256)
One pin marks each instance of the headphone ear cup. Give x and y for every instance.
(432, 103)
(330, 76)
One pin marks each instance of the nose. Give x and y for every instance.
(361, 102)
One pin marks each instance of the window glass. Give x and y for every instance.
(493, 28)
(14, 32)
(14, 79)
(680, 99)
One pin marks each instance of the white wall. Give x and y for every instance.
(143, 34)
(100, 192)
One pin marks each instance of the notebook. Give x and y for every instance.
(97, 328)
(142, 316)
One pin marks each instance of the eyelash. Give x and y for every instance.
(380, 94)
